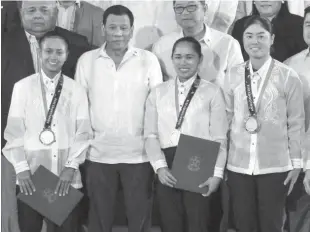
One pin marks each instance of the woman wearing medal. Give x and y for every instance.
(48, 125)
(195, 107)
(265, 111)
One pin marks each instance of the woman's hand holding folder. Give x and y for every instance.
(65, 180)
(166, 178)
(25, 183)
(212, 183)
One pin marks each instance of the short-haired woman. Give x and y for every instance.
(265, 110)
(205, 117)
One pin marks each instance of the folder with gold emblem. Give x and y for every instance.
(44, 201)
(194, 162)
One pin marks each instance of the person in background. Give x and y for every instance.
(118, 79)
(264, 105)
(221, 14)
(295, 7)
(20, 59)
(299, 218)
(39, 134)
(154, 19)
(220, 50)
(287, 29)
(83, 18)
(204, 117)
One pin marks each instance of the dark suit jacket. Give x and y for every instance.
(17, 62)
(10, 19)
(88, 22)
(288, 32)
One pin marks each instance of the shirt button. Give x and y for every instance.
(52, 94)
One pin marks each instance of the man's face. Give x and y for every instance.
(117, 31)
(54, 53)
(38, 16)
(189, 13)
(307, 29)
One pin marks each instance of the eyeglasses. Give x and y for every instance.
(190, 8)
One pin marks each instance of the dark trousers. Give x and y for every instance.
(31, 221)
(103, 182)
(181, 211)
(258, 202)
(299, 208)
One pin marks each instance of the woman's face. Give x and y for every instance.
(186, 60)
(268, 8)
(257, 41)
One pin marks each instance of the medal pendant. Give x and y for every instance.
(251, 125)
(47, 137)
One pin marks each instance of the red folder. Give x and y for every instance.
(44, 201)
(194, 162)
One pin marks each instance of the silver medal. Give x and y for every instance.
(47, 137)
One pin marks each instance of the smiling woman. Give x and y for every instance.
(263, 99)
(53, 53)
(186, 58)
(287, 28)
(200, 103)
(258, 38)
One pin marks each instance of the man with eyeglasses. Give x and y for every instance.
(220, 50)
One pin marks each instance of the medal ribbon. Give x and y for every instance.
(248, 89)
(187, 100)
(54, 102)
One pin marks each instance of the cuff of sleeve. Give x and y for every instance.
(21, 166)
(72, 164)
(307, 166)
(219, 172)
(151, 136)
(297, 163)
(159, 164)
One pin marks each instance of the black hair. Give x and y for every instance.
(53, 34)
(307, 11)
(256, 19)
(283, 11)
(195, 44)
(202, 2)
(118, 10)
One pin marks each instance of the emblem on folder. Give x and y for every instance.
(194, 164)
(49, 195)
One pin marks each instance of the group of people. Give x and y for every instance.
(111, 116)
